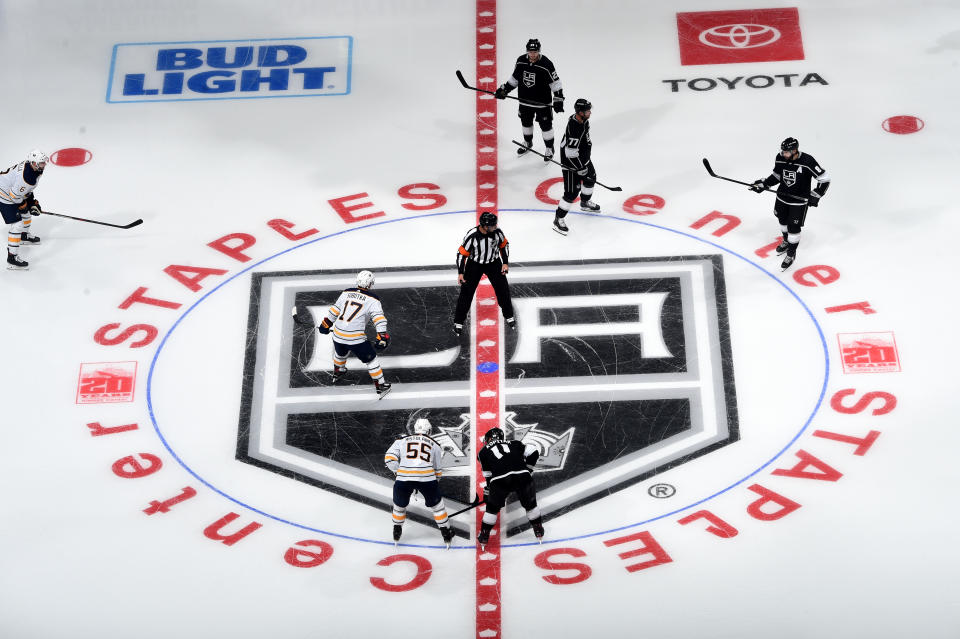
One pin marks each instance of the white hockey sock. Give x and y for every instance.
(373, 367)
(440, 513)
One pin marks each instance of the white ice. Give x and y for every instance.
(871, 555)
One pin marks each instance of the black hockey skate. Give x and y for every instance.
(560, 226)
(589, 205)
(548, 154)
(483, 537)
(787, 262)
(382, 389)
(537, 525)
(28, 240)
(523, 150)
(397, 531)
(14, 263)
(447, 533)
(338, 373)
(782, 247)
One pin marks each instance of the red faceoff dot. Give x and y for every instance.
(71, 157)
(902, 124)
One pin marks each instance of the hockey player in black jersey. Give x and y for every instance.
(508, 467)
(539, 84)
(579, 176)
(795, 171)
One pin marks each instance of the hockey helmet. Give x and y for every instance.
(533, 45)
(422, 426)
(581, 105)
(38, 157)
(365, 279)
(790, 144)
(494, 435)
(488, 219)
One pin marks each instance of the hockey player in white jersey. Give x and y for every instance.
(347, 321)
(18, 205)
(415, 459)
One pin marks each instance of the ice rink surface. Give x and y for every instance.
(830, 511)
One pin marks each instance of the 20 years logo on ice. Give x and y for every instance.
(230, 69)
(620, 369)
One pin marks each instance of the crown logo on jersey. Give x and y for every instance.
(529, 78)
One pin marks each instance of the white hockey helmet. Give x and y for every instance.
(422, 426)
(365, 279)
(37, 157)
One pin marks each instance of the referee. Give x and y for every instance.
(484, 251)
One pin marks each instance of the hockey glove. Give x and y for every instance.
(324, 327)
(582, 172)
(814, 201)
(758, 186)
(383, 340)
(500, 93)
(486, 491)
(558, 102)
(35, 208)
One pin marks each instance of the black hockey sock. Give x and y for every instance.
(792, 249)
(561, 213)
(528, 139)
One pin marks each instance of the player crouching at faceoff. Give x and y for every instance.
(18, 205)
(579, 176)
(347, 320)
(795, 171)
(508, 467)
(415, 459)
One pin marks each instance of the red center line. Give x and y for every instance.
(488, 348)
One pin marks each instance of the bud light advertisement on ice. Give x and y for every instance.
(230, 69)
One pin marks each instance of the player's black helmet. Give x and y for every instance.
(488, 219)
(533, 44)
(790, 144)
(582, 104)
(493, 435)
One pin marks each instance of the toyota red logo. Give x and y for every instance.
(739, 36)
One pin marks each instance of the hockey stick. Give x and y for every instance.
(528, 103)
(83, 219)
(706, 164)
(476, 502)
(609, 188)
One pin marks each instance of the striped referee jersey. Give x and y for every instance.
(483, 248)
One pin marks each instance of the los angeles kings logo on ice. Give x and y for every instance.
(620, 368)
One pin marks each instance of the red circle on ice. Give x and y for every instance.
(73, 156)
(902, 124)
